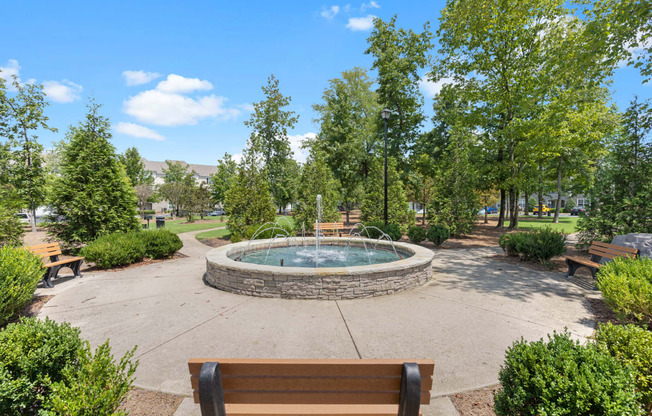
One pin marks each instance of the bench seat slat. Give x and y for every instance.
(318, 410)
(64, 261)
(293, 397)
(313, 383)
(631, 250)
(585, 262)
(609, 253)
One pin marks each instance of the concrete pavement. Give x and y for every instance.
(473, 309)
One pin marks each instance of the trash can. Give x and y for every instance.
(549, 212)
(160, 221)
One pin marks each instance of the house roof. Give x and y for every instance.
(202, 170)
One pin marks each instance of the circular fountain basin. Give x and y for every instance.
(413, 269)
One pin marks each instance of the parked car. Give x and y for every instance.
(23, 218)
(218, 212)
(577, 211)
(544, 209)
(492, 210)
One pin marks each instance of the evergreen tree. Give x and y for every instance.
(179, 183)
(316, 179)
(373, 204)
(455, 203)
(93, 193)
(621, 198)
(248, 201)
(221, 180)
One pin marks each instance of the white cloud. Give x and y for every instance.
(361, 23)
(331, 12)
(164, 109)
(139, 77)
(178, 84)
(246, 107)
(8, 71)
(62, 92)
(300, 155)
(371, 5)
(430, 89)
(136, 130)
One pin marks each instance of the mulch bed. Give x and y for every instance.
(31, 309)
(476, 402)
(141, 402)
(215, 241)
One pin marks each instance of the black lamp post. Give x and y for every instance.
(385, 114)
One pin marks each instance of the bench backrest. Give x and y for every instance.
(330, 225)
(610, 251)
(46, 250)
(250, 381)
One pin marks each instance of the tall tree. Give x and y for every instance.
(93, 193)
(20, 117)
(399, 55)
(373, 206)
(269, 123)
(178, 184)
(348, 116)
(248, 201)
(222, 179)
(316, 179)
(135, 167)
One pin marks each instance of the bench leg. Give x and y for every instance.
(409, 399)
(47, 282)
(572, 268)
(76, 268)
(211, 394)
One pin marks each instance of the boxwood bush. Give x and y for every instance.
(437, 234)
(562, 377)
(392, 230)
(46, 369)
(626, 285)
(282, 227)
(20, 272)
(121, 249)
(538, 245)
(632, 346)
(416, 234)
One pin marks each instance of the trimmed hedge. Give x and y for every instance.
(416, 234)
(626, 285)
(632, 346)
(562, 377)
(269, 231)
(46, 369)
(20, 272)
(437, 234)
(121, 249)
(538, 245)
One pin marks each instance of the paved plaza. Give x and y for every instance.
(472, 310)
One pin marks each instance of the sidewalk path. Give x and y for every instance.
(473, 309)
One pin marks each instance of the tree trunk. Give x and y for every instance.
(540, 196)
(556, 220)
(486, 219)
(33, 221)
(526, 207)
(513, 209)
(501, 214)
(347, 213)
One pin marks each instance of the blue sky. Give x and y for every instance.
(177, 79)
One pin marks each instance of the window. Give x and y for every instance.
(581, 202)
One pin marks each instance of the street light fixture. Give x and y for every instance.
(385, 115)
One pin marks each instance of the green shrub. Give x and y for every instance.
(540, 245)
(626, 285)
(20, 272)
(437, 234)
(269, 231)
(149, 212)
(631, 346)
(33, 354)
(562, 377)
(160, 243)
(416, 234)
(118, 249)
(105, 384)
(376, 228)
(11, 229)
(46, 370)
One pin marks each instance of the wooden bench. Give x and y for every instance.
(598, 250)
(330, 228)
(310, 387)
(53, 250)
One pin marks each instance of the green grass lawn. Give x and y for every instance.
(223, 232)
(566, 224)
(178, 226)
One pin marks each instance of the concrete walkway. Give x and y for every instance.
(473, 309)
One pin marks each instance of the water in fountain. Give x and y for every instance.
(346, 255)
